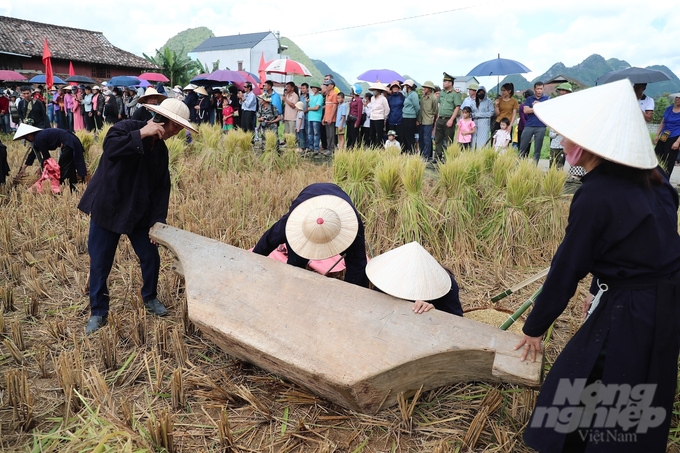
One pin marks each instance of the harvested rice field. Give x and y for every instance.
(144, 383)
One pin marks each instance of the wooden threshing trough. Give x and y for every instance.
(356, 347)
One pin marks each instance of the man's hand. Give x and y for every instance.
(152, 129)
(675, 145)
(656, 139)
(420, 306)
(449, 123)
(531, 345)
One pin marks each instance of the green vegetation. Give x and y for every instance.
(176, 67)
(187, 40)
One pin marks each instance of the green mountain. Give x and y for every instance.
(340, 81)
(593, 67)
(518, 80)
(189, 39)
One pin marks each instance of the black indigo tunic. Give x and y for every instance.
(355, 257)
(626, 235)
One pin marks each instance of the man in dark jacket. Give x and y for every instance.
(71, 157)
(32, 111)
(310, 232)
(130, 192)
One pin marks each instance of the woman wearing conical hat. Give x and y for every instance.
(410, 272)
(322, 222)
(612, 387)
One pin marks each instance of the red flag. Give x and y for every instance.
(260, 69)
(71, 72)
(47, 61)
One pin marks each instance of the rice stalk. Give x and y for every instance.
(524, 183)
(2, 323)
(224, 431)
(86, 139)
(553, 182)
(69, 368)
(41, 360)
(14, 351)
(412, 175)
(18, 334)
(178, 348)
(32, 308)
(161, 337)
(177, 390)
(388, 177)
(138, 332)
(109, 353)
(161, 431)
(8, 299)
(503, 166)
(20, 399)
(290, 140)
(99, 389)
(406, 409)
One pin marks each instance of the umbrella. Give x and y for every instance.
(153, 77)
(223, 76)
(47, 61)
(144, 83)
(635, 75)
(498, 67)
(81, 79)
(380, 75)
(41, 79)
(6, 74)
(254, 76)
(287, 67)
(253, 81)
(123, 81)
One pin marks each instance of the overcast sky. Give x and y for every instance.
(535, 33)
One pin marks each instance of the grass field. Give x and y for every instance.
(149, 384)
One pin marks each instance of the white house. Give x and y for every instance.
(238, 52)
(461, 83)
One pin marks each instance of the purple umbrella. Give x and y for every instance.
(380, 75)
(144, 83)
(224, 76)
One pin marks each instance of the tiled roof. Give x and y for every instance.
(26, 38)
(245, 41)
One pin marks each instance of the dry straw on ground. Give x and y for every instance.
(148, 384)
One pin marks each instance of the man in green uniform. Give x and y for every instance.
(449, 105)
(426, 119)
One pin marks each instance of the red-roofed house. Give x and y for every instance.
(21, 46)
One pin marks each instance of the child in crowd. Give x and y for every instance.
(501, 139)
(466, 127)
(341, 120)
(392, 140)
(556, 149)
(300, 125)
(227, 115)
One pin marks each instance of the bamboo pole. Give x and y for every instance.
(513, 317)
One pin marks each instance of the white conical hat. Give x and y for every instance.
(409, 272)
(151, 93)
(605, 120)
(174, 110)
(24, 130)
(322, 227)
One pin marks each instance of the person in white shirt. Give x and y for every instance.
(501, 138)
(646, 102)
(379, 113)
(392, 141)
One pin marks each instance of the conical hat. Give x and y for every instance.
(605, 120)
(24, 130)
(174, 110)
(409, 272)
(321, 227)
(151, 93)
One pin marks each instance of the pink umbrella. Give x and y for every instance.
(287, 67)
(251, 79)
(153, 77)
(6, 74)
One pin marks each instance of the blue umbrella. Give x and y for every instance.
(41, 79)
(123, 81)
(498, 67)
(380, 75)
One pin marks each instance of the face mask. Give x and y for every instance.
(480, 95)
(574, 155)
